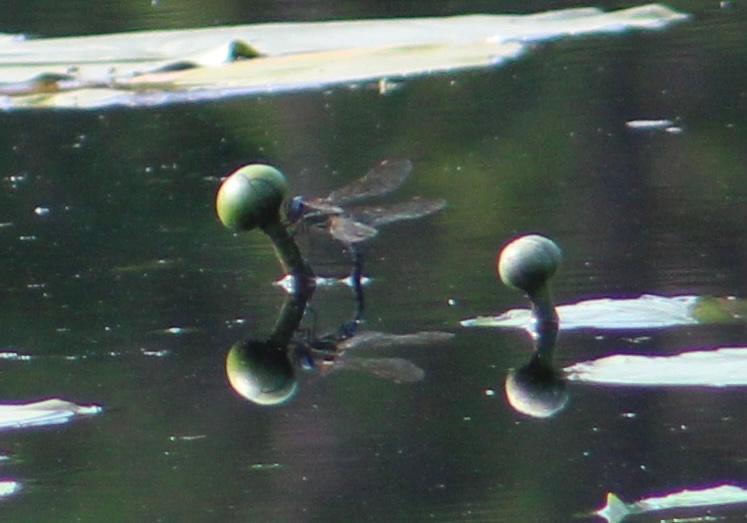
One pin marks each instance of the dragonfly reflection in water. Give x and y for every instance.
(330, 352)
(358, 224)
(264, 371)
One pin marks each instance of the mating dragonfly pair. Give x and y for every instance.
(358, 224)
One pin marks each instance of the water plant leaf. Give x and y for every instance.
(617, 510)
(47, 412)
(723, 367)
(8, 487)
(647, 311)
(157, 67)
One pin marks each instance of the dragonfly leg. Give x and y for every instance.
(356, 278)
(311, 331)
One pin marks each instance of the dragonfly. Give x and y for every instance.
(330, 352)
(359, 224)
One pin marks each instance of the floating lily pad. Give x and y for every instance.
(156, 67)
(616, 510)
(644, 312)
(47, 412)
(8, 487)
(724, 367)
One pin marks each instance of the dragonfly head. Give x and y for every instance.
(295, 209)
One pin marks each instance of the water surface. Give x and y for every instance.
(125, 291)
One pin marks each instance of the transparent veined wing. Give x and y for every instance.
(417, 207)
(348, 230)
(380, 340)
(386, 177)
(322, 207)
(397, 370)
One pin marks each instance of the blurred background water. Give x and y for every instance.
(126, 291)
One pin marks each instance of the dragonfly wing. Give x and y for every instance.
(322, 207)
(418, 207)
(380, 340)
(397, 370)
(347, 230)
(386, 177)
(361, 339)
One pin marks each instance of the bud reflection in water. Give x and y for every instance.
(527, 263)
(264, 371)
(538, 388)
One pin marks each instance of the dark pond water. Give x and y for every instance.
(125, 291)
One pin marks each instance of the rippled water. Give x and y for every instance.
(123, 289)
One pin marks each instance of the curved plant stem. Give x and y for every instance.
(545, 332)
(289, 318)
(290, 257)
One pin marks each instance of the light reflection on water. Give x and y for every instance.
(540, 145)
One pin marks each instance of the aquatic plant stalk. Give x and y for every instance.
(290, 317)
(545, 324)
(289, 256)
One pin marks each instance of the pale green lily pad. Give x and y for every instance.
(616, 510)
(724, 367)
(155, 67)
(8, 487)
(47, 412)
(648, 311)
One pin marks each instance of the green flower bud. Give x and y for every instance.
(260, 373)
(251, 197)
(528, 262)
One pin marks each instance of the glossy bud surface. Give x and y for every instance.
(260, 373)
(528, 262)
(251, 197)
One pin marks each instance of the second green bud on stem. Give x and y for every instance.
(527, 263)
